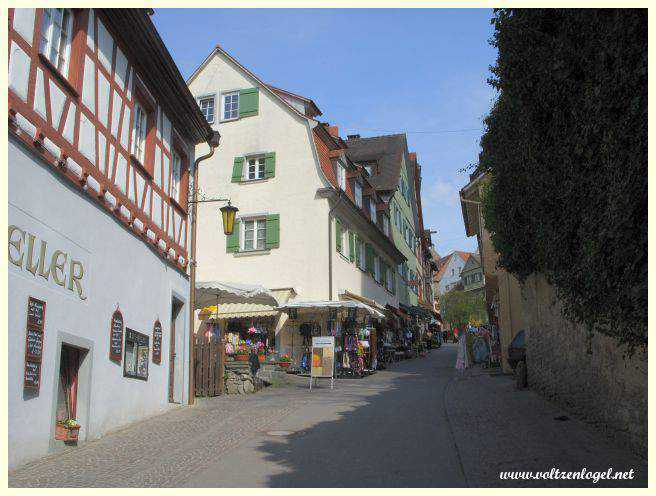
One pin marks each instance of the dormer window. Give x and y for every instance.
(56, 35)
(341, 176)
(358, 194)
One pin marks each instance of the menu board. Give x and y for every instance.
(116, 337)
(34, 330)
(157, 343)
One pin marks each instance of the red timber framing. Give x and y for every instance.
(56, 110)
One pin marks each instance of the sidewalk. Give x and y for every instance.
(498, 428)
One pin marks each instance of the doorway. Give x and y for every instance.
(175, 386)
(70, 360)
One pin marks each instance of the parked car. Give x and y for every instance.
(517, 358)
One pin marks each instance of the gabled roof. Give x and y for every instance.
(444, 261)
(307, 101)
(388, 151)
(220, 51)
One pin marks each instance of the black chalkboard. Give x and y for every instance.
(34, 344)
(32, 375)
(157, 343)
(116, 337)
(36, 313)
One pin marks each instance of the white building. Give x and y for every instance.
(102, 132)
(449, 269)
(308, 218)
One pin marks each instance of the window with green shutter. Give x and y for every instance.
(351, 237)
(273, 231)
(249, 100)
(270, 165)
(237, 169)
(232, 241)
(338, 235)
(383, 273)
(369, 258)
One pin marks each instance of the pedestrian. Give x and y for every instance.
(254, 362)
(462, 357)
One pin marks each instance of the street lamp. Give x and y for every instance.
(228, 213)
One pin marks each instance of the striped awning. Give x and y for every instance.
(238, 310)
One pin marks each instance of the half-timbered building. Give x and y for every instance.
(102, 136)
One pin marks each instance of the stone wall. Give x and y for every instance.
(589, 375)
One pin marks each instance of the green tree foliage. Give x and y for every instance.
(461, 307)
(566, 149)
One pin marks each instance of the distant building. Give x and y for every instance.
(449, 271)
(472, 277)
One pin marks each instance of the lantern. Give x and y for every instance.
(228, 213)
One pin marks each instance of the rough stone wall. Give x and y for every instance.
(589, 375)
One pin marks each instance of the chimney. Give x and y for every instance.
(333, 131)
(353, 136)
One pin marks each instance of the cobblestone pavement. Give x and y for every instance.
(417, 424)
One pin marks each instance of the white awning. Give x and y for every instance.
(216, 292)
(334, 304)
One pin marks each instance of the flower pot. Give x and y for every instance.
(67, 434)
(241, 358)
(261, 358)
(284, 364)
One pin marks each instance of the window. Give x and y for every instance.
(254, 235)
(230, 106)
(398, 218)
(376, 268)
(361, 260)
(372, 210)
(391, 281)
(140, 132)
(56, 34)
(137, 352)
(341, 176)
(207, 108)
(453, 272)
(358, 194)
(255, 169)
(176, 176)
(386, 226)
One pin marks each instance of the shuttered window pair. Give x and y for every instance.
(262, 233)
(252, 168)
(339, 236)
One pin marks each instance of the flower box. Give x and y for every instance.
(241, 358)
(66, 433)
(284, 364)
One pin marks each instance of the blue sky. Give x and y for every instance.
(372, 72)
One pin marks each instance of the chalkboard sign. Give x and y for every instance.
(32, 375)
(157, 343)
(34, 344)
(36, 313)
(116, 337)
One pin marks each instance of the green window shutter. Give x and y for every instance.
(383, 274)
(232, 241)
(273, 231)
(356, 242)
(351, 246)
(237, 169)
(393, 275)
(249, 100)
(270, 164)
(338, 235)
(369, 258)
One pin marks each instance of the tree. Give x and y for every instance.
(566, 150)
(458, 308)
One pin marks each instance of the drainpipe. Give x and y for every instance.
(330, 245)
(213, 143)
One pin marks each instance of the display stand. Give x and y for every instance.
(323, 359)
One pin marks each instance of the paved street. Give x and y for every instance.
(417, 424)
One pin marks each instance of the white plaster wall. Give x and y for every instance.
(301, 261)
(119, 269)
(455, 263)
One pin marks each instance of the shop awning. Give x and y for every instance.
(217, 293)
(367, 301)
(238, 310)
(326, 304)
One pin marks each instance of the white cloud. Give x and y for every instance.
(441, 192)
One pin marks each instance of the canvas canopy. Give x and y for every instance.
(334, 304)
(218, 293)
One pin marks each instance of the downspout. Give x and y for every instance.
(213, 143)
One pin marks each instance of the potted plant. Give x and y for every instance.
(241, 355)
(67, 430)
(284, 361)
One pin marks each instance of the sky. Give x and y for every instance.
(371, 72)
